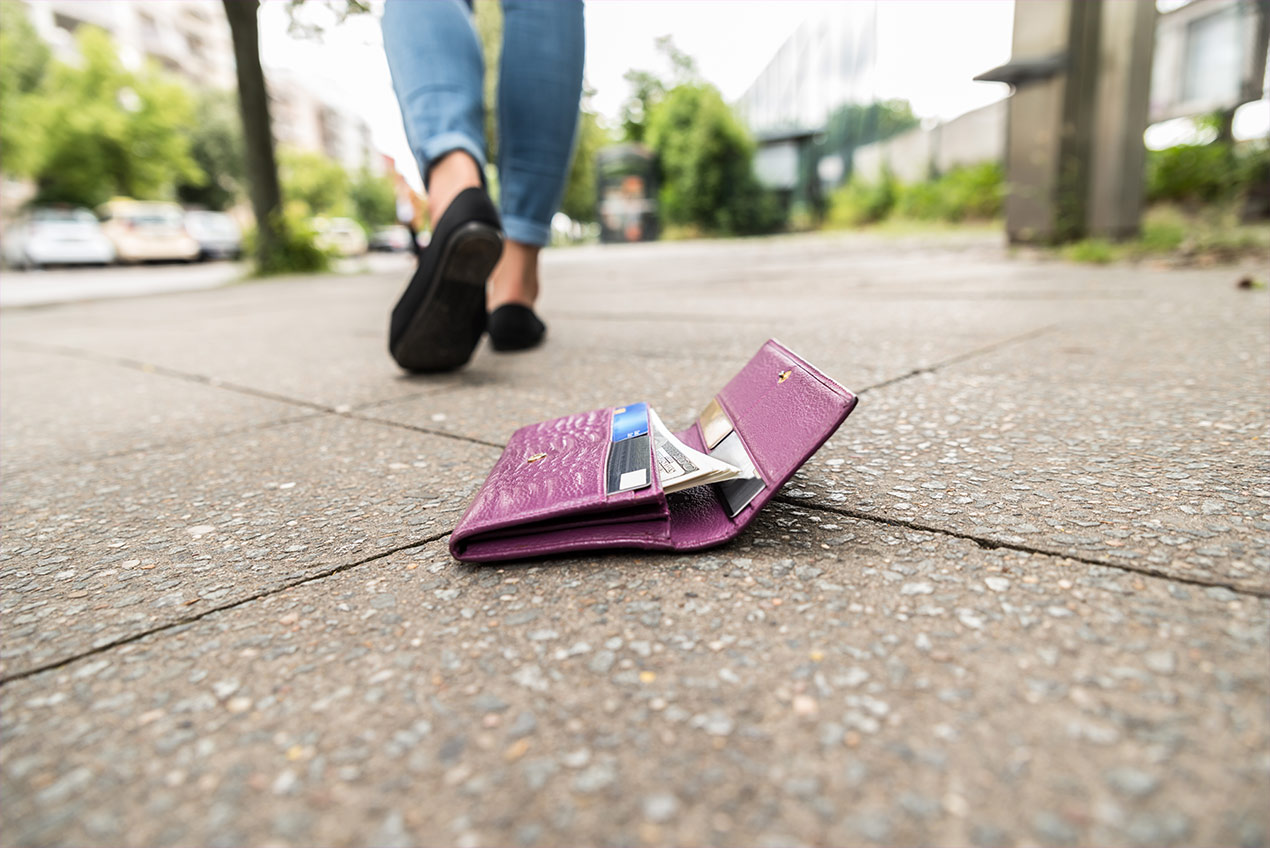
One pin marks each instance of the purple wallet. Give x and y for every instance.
(547, 492)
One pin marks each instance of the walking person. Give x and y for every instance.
(480, 271)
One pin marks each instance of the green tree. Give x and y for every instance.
(100, 130)
(648, 88)
(24, 62)
(579, 192)
(216, 144)
(707, 161)
(374, 199)
(314, 180)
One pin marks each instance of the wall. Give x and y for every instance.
(977, 136)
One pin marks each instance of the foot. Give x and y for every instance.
(513, 290)
(439, 319)
(514, 326)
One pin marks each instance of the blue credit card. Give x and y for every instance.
(630, 421)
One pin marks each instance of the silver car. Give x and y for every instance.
(55, 235)
(217, 235)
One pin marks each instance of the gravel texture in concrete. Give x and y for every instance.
(1020, 598)
(823, 681)
(115, 547)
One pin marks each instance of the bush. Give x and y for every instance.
(1192, 173)
(707, 164)
(966, 193)
(860, 202)
(970, 192)
(297, 251)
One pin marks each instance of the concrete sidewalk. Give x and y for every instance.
(1019, 598)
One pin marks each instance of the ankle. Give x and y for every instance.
(515, 277)
(448, 176)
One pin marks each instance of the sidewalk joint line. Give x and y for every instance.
(216, 383)
(418, 429)
(961, 357)
(264, 593)
(989, 543)
(172, 443)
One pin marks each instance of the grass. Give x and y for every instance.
(1094, 251)
(1209, 237)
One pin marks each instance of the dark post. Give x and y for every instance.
(253, 104)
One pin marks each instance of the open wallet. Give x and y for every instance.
(598, 480)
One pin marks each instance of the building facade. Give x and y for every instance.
(189, 38)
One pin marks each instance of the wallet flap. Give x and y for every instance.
(783, 409)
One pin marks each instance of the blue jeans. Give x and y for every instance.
(434, 55)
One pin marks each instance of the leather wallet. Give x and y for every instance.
(547, 493)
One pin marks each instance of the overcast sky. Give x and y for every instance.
(927, 52)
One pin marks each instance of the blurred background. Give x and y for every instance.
(1111, 130)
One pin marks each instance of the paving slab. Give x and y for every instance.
(64, 410)
(114, 547)
(679, 365)
(1124, 440)
(820, 681)
(321, 342)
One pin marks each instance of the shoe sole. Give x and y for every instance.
(448, 324)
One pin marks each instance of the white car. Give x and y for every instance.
(217, 235)
(341, 236)
(391, 239)
(145, 231)
(57, 236)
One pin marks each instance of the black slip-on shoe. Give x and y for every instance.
(514, 326)
(440, 318)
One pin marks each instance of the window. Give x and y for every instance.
(1214, 58)
(66, 22)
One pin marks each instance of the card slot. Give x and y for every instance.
(551, 471)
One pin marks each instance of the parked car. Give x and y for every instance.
(391, 239)
(341, 236)
(144, 231)
(217, 235)
(57, 235)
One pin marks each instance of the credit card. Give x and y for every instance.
(629, 468)
(715, 425)
(630, 421)
(737, 493)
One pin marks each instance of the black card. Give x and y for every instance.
(629, 465)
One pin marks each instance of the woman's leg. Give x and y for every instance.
(434, 55)
(540, 84)
(437, 70)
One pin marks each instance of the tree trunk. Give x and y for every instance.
(253, 105)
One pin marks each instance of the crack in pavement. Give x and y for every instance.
(961, 357)
(263, 593)
(989, 543)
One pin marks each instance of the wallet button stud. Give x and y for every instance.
(783, 376)
(531, 460)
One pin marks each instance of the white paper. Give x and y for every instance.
(680, 467)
